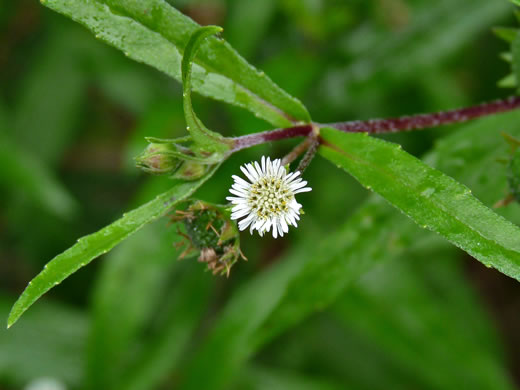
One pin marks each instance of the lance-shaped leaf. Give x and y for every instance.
(206, 141)
(153, 32)
(433, 200)
(89, 247)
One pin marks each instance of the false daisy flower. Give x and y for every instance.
(267, 201)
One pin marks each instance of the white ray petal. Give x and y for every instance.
(248, 175)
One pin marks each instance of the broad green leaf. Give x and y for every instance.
(50, 342)
(89, 247)
(432, 199)
(153, 32)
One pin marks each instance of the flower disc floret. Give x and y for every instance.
(267, 200)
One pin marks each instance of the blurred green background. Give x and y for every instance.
(73, 114)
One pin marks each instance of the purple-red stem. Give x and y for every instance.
(391, 125)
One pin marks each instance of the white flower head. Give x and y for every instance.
(268, 200)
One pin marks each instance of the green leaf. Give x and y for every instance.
(96, 244)
(206, 141)
(153, 32)
(433, 200)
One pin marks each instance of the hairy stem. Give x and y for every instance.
(390, 125)
(309, 155)
(249, 140)
(424, 121)
(295, 153)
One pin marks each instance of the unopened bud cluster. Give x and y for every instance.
(170, 158)
(210, 233)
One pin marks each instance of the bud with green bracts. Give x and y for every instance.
(159, 159)
(210, 233)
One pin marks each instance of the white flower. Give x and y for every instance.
(268, 201)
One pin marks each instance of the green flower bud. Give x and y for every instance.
(212, 234)
(159, 159)
(191, 170)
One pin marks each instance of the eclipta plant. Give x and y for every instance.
(266, 202)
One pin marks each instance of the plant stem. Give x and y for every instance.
(423, 121)
(249, 140)
(390, 125)
(295, 153)
(309, 155)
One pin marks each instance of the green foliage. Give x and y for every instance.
(155, 33)
(89, 247)
(316, 274)
(49, 343)
(358, 297)
(434, 32)
(44, 127)
(206, 141)
(433, 200)
(139, 277)
(29, 176)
